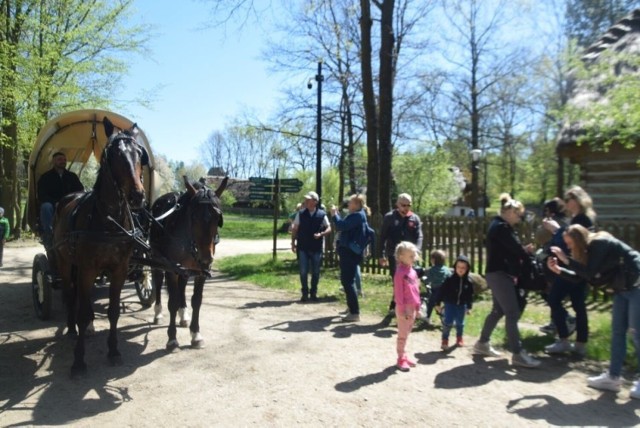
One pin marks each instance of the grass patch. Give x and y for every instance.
(282, 274)
(248, 227)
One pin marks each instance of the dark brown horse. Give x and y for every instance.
(186, 236)
(93, 234)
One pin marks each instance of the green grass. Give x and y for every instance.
(248, 227)
(283, 275)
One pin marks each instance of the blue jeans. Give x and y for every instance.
(453, 313)
(625, 317)
(358, 281)
(309, 262)
(578, 295)
(348, 263)
(46, 217)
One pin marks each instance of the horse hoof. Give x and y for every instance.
(184, 323)
(172, 346)
(78, 371)
(157, 320)
(72, 334)
(116, 360)
(197, 344)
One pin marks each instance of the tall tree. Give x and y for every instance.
(58, 55)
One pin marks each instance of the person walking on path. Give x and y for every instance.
(399, 224)
(457, 294)
(5, 229)
(310, 226)
(505, 255)
(601, 259)
(406, 288)
(351, 245)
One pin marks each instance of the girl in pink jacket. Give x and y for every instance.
(406, 292)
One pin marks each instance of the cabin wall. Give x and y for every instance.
(612, 179)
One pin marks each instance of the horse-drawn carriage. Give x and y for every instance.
(111, 231)
(80, 135)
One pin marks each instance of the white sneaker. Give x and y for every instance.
(579, 350)
(485, 349)
(560, 347)
(523, 359)
(605, 382)
(635, 390)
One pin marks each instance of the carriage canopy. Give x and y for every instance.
(79, 135)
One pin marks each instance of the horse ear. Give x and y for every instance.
(108, 126)
(134, 129)
(188, 185)
(222, 186)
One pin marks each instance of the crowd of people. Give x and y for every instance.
(573, 253)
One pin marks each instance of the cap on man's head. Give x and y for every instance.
(1, 211)
(312, 195)
(56, 154)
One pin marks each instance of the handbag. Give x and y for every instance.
(532, 275)
(355, 247)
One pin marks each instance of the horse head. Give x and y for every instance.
(123, 158)
(205, 219)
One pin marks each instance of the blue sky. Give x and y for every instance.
(205, 77)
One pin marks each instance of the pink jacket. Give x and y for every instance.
(406, 289)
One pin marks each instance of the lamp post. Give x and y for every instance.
(319, 79)
(475, 158)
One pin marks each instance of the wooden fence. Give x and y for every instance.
(466, 235)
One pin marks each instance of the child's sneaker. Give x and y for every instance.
(523, 359)
(635, 390)
(409, 361)
(459, 342)
(445, 345)
(403, 365)
(559, 347)
(605, 382)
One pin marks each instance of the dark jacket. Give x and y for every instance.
(607, 256)
(455, 289)
(352, 228)
(52, 186)
(396, 228)
(309, 225)
(505, 253)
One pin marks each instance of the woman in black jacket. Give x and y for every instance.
(601, 259)
(505, 255)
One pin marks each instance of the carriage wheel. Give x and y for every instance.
(144, 287)
(41, 288)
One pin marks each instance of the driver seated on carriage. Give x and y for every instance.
(53, 185)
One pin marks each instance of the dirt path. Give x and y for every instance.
(270, 361)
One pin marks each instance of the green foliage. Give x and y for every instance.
(426, 176)
(612, 112)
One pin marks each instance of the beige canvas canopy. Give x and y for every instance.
(79, 135)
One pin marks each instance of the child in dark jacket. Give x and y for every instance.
(457, 294)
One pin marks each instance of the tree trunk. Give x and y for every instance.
(369, 102)
(385, 120)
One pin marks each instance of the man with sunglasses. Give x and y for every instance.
(399, 224)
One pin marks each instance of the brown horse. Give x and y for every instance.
(186, 236)
(90, 237)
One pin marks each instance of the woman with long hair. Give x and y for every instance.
(599, 258)
(579, 206)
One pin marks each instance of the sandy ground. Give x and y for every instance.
(270, 361)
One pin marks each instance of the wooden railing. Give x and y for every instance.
(466, 235)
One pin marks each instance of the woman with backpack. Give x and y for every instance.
(354, 237)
